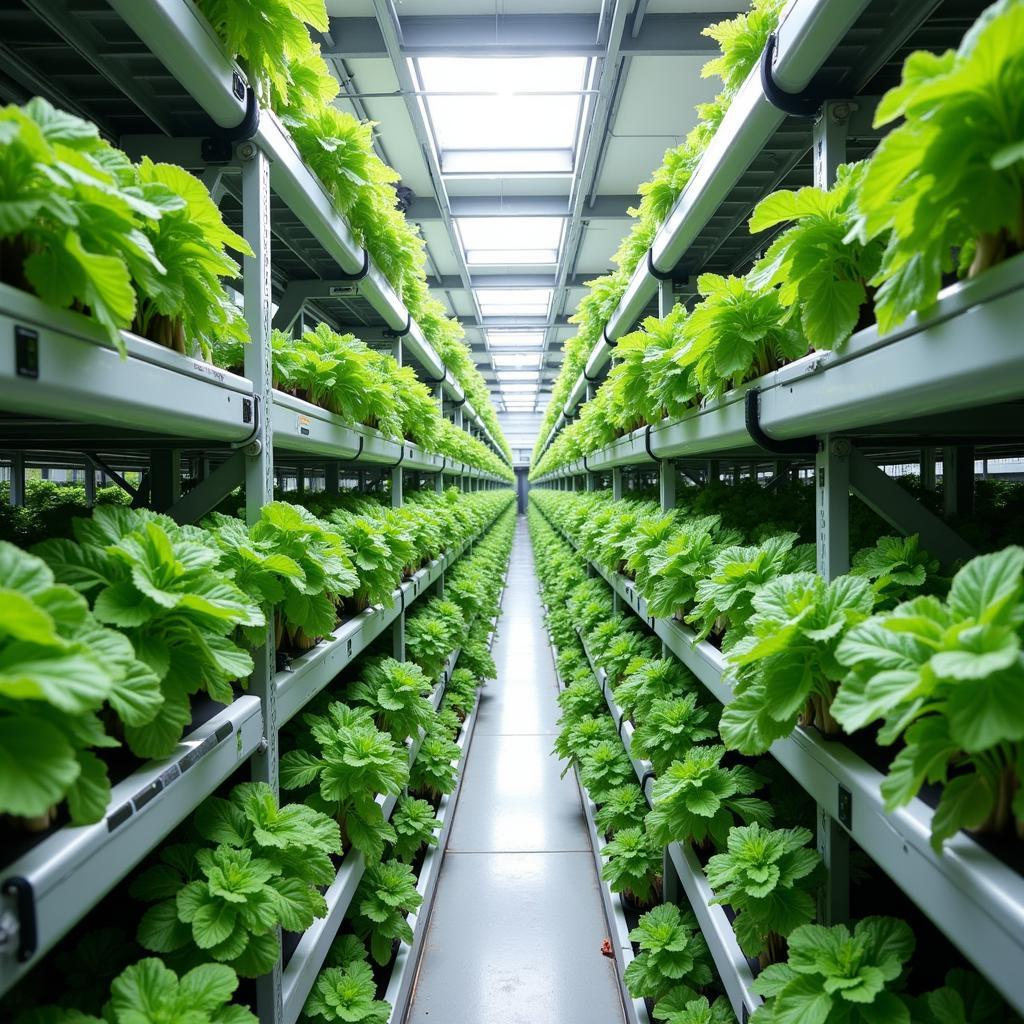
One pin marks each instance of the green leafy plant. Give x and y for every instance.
(946, 182)
(786, 668)
(227, 901)
(944, 677)
(633, 864)
(965, 998)
(834, 975)
(698, 800)
(623, 807)
(386, 894)
(768, 877)
(159, 583)
(345, 989)
(670, 728)
(58, 669)
(680, 1009)
(415, 827)
(436, 766)
(148, 992)
(349, 761)
(396, 692)
(819, 269)
(604, 767)
(673, 954)
(898, 568)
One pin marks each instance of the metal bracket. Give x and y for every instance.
(610, 342)
(437, 380)
(218, 149)
(658, 275)
(360, 273)
(796, 104)
(898, 508)
(647, 446)
(752, 419)
(114, 475)
(20, 889)
(208, 493)
(402, 331)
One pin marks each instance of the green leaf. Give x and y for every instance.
(89, 794)
(37, 765)
(802, 1001)
(966, 802)
(208, 986)
(161, 931)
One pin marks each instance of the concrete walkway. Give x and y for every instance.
(516, 930)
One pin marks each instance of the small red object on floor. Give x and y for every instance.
(606, 949)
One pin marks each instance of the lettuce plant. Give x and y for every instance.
(604, 767)
(697, 800)
(673, 954)
(60, 668)
(623, 807)
(350, 761)
(436, 766)
(947, 180)
(944, 677)
(835, 976)
(768, 877)
(633, 864)
(659, 679)
(679, 563)
(386, 894)
(965, 998)
(670, 728)
(415, 827)
(682, 1009)
(227, 901)
(786, 668)
(345, 989)
(148, 992)
(820, 271)
(160, 584)
(396, 693)
(898, 568)
(293, 562)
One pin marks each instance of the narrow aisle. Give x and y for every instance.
(516, 929)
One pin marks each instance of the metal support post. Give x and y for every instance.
(16, 493)
(832, 491)
(667, 485)
(830, 141)
(259, 479)
(396, 350)
(928, 468)
(300, 479)
(164, 478)
(666, 298)
(958, 480)
(832, 495)
(616, 484)
(90, 482)
(714, 471)
(396, 487)
(834, 847)
(331, 478)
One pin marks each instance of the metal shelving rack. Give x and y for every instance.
(949, 381)
(827, 65)
(155, 78)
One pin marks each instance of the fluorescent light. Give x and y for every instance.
(514, 301)
(515, 339)
(520, 375)
(516, 360)
(510, 240)
(519, 389)
(529, 105)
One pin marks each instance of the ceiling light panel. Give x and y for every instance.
(514, 301)
(516, 360)
(518, 375)
(510, 240)
(515, 339)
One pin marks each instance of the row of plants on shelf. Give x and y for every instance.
(244, 868)
(875, 246)
(143, 247)
(108, 637)
(290, 77)
(935, 661)
(137, 246)
(352, 982)
(363, 386)
(767, 877)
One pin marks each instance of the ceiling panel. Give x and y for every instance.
(600, 240)
(659, 99)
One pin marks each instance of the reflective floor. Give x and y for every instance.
(516, 930)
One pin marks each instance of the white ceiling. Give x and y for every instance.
(651, 97)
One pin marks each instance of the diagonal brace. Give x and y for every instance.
(209, 492)
(883, 495)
